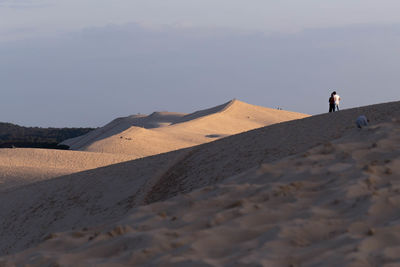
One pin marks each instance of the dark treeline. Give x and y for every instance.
(12, 135)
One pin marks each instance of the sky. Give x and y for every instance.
(84, 63)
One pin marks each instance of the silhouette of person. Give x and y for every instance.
(332, 103)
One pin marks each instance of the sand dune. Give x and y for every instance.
(107, 194)
(154, 120)
(20, 166)
(276, 199)
(146, 136)
(134, 137)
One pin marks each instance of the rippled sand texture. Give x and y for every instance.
(310, 192)
(337, 204)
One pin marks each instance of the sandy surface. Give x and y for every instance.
(310, 192)
(336, 204)
(134, 137)
(162, 132)
(20, 166)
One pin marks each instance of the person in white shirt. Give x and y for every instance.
(337, 100)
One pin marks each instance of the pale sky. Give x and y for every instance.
(50, 16)
(84, 63)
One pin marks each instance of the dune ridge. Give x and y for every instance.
(331, 204)
(154, 120)
(180, 132)
(132, 137)
(109, 193)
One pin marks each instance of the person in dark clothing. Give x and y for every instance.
(332, 103)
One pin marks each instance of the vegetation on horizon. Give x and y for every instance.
(12, 135)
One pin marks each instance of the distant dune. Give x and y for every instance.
(161, 132)
(310, 192)
(134, 137)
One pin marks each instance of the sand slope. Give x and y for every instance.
(134, 137)
(20, 166)
(97, 196)
(335, 204)
(150, 136)
(154, 120)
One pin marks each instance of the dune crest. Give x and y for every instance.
(133, 137)
(178, 130)
(154, 120)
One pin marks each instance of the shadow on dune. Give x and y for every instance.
(205, 112)
(216, 135)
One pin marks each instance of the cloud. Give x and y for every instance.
(18, 30)
(95, 75)
(22, 4)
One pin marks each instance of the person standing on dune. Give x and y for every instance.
(332, 103)
(337, 100)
